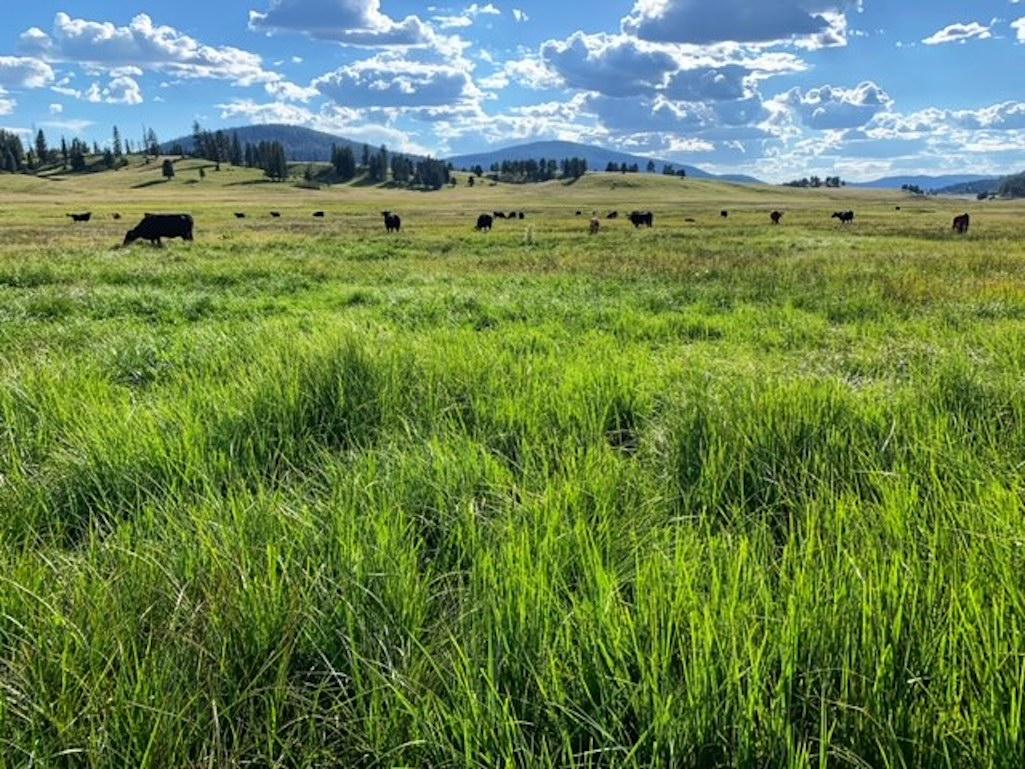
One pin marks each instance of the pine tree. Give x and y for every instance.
(275, 162)
(41, 149)
(77, 157)
(118, 149)
(64, 154)
(197, 139)
(237, 158)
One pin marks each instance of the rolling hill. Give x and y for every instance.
(597, 158)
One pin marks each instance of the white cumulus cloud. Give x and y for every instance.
(960, 33)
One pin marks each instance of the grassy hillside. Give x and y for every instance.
(305, 494)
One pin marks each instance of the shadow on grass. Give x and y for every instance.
(150, 183)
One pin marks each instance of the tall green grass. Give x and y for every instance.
(738, 502)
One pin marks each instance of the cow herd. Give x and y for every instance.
(155, 227)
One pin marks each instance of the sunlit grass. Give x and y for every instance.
(717, 494)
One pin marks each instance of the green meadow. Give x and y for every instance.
(304, 494)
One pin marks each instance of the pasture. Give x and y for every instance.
(306, 494)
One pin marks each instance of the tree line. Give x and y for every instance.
(1013, 186)
(815, 182)
(532, 171)
(16, 157)
(380, 165)
(221, 147)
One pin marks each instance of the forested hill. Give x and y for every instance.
(301, 144)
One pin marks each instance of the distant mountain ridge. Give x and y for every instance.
(302, 145)
(951, 184)
(305, 145)
(989, 186)
(598, 159)
(923, 181)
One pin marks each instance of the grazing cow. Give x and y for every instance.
(275, 214)
(319, 214)
(392, 222)
(691, 221)
(117, 217)
(642, 219)
(613, 215)
(962, 223)
(522, 216)
(776, 217)
(485, 223)
(595, 225)
(845, 217)
(580, 213)
(497, 215)
(513, 215)
(724, 214)
(77, 218)
(898, 208)
(240, 216)
(153, 227)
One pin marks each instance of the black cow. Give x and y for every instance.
(497, 215)
(845, 217)
(153, 227)
(485, 223)
(275, 214)
(117, 217)
(724, 214)
(240, 216)
(642, 219)
(580, 213)
(522, 216)
(898, 208)
(962, 223)
(776, 217)
(80, 217)
(319, 214)
(691, 221)
(392, 222)
(613, 215)
(511, 216)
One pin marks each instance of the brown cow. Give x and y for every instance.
(962, 223)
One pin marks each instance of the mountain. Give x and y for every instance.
(302, 145)
(923, 182)
(598, 159)
(989, 186)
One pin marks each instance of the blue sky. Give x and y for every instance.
(776, 88)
